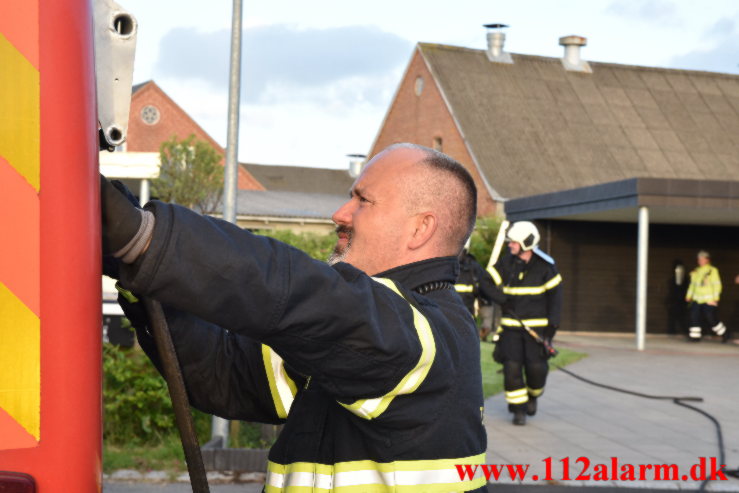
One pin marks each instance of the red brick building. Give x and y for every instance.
(155, 118)
(420, 114)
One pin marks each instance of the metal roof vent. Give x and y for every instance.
(496, 40)
(572, 60)
(356, 163)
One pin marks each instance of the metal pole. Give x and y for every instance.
(144, 193)
(641, 277)
(232, 144)
(219, 426)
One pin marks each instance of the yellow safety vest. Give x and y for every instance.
(705, 285)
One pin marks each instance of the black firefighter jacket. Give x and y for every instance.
(379, 387)
(475, 283)
(533, 290)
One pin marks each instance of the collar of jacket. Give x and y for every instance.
(465, 263)
(417, 274)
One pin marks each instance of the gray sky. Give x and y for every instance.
(318, 76)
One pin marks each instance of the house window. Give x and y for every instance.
(419, 85)
(437, 146)
(150, 115)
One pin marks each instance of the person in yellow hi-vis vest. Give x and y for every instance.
(703, 295)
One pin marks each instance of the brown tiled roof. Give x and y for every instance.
(534, 127)
(302, 179)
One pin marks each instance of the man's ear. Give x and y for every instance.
(425, 224)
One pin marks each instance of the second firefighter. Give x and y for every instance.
(532, 284)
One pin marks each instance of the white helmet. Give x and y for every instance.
(525, 234)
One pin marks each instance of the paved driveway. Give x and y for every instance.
(579, 420)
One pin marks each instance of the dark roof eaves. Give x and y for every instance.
(631, 192)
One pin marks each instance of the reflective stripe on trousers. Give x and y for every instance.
(530, 322)
(518, 396)
(368, 476)
(534, 392)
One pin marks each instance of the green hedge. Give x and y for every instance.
(136, 402)
(483, 238)
(318, 246)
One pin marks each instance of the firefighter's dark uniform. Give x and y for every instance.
(534, 296)
(378, 385)
(475, 283)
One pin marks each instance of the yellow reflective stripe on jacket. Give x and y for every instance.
(531, 322)
(553, 282)
(496, 276)
(464, 288)
(411, 476)
(372, 408)
(281, 386)
(527, 290)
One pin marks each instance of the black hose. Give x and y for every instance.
(176, 385)
(721, 448)
(630, 392)
(680, 401)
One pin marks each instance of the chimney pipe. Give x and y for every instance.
(496, 41)
(572, 60)
(356, 163)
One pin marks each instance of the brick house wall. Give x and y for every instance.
(147, 136)
(422, 117)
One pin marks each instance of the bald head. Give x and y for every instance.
(440, 184)
(409, 204)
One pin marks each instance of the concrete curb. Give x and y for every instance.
(214, 477)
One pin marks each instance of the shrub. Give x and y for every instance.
(483, 238)
(136, 401)
(318, 246)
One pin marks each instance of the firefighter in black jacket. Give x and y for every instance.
(372, 362)
(529, 279)
(475, 284)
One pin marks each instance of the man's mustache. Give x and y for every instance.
(344, 230)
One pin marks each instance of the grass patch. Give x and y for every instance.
(492, 381)
(167, 455)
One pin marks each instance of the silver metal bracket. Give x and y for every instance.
(115, 48)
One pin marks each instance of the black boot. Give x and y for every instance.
(531, 406)
(519, 415)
